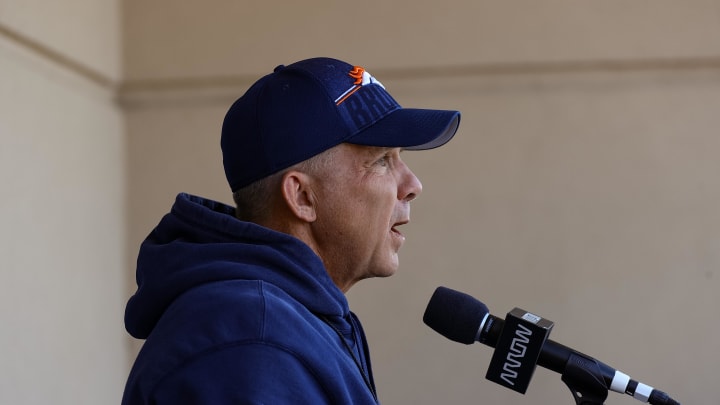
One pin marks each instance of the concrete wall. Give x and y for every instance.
(581, 186)
(62, 219)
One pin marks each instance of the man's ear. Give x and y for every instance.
(298, 195)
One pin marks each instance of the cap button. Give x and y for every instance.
(279, 68)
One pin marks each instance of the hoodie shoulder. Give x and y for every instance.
(221, 318)
(202, 346)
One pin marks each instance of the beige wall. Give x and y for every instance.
(582, 185)
(62, 219)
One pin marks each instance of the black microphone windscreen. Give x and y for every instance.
(455, 315)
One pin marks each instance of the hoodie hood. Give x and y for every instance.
(200, 241)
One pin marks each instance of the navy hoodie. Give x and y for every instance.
(235, 313)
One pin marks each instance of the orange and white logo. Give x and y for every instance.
(362, 77)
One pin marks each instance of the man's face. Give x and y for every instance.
(362, 200)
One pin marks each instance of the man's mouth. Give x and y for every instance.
(394, 228)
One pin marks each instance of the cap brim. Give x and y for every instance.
(410, 128)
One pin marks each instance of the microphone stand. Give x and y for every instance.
(584, 378)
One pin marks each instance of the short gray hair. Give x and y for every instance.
(253, 202)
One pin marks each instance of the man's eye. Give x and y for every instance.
(383, 161)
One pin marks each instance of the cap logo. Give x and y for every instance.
(357, 74)
(362, 78)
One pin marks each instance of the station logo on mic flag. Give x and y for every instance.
(518, 349)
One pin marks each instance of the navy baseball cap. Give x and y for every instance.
(305, 108)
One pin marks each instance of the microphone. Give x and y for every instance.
(521, 343)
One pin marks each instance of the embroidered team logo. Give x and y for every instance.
(361, 78)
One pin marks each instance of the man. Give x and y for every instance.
(247, 305)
